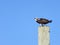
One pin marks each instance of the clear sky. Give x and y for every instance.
(17, 25)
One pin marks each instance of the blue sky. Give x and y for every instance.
(17, 25)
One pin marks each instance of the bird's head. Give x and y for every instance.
(36, 19)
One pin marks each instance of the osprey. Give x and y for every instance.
(42, 21)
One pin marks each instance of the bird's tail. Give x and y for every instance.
(50, 21)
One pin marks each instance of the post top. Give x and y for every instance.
(44, 26)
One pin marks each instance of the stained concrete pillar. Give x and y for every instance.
(43, 35)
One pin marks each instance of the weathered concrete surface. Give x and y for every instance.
(43, 35)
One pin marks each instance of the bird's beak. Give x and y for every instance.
(35, 19)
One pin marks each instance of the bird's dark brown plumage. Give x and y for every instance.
(43, 21)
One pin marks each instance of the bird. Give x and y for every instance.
(42, 21)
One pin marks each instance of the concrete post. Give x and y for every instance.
(43, 35)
